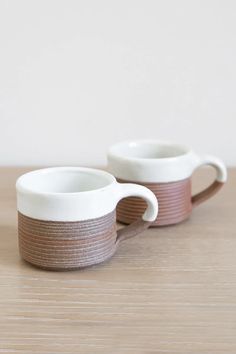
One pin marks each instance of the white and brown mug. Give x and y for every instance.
(67, 216)
(166, 169)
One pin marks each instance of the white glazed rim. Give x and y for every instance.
(21, 183)
(115, 150)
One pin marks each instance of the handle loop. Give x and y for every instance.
(221, 178)
(135, 190)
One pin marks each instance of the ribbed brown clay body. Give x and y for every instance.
(174, 201)
(67, 245)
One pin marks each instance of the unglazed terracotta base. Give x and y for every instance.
(67, 245)
(174, 198)
(174, 201)
(55, 245)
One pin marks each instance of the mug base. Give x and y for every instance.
(174, 200)
(65, 269)
(156, 224)
(62, 246)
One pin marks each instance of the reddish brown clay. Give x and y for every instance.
(133, 229)
(174, 199)
(57, 245)
(207, 193)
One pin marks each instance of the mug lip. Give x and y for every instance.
(112, 152)
(21, 187)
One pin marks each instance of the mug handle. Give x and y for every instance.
(221, 177)
(127, 190)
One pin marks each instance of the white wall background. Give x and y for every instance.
(77, 76)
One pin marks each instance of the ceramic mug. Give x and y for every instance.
(67, 218)
(166, 169)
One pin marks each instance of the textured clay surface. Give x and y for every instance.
(174, 201)
(67, 245)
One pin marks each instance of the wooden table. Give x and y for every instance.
(169, 290)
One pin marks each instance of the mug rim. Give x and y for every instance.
(114, 150)
(21, 184)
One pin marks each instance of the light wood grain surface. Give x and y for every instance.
(169, 290)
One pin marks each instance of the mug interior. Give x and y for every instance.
(64, 180)
(148, 150)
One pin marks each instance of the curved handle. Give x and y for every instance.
(135, 190)
(221, 177)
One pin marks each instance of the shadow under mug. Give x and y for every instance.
(166, 169)
(67, 217)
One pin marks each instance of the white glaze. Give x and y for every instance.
(75, 194)
(154, 161)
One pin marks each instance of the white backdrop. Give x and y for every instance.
(77, 76)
